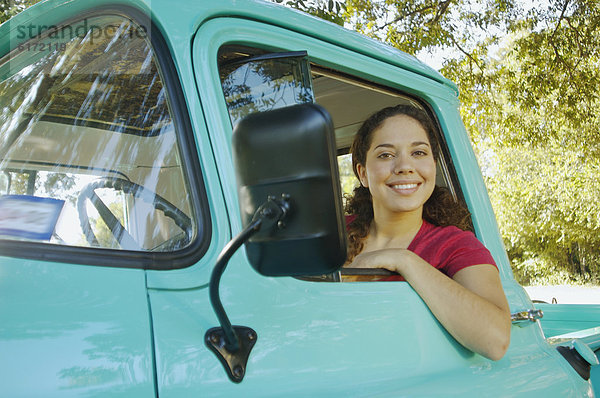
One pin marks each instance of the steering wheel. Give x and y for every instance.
(125, 240)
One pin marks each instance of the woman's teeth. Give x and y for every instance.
(404, 186)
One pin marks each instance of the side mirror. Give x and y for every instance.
(291, 207)
(289, 156)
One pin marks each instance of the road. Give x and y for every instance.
(565, 294)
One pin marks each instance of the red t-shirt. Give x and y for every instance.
(448, 249)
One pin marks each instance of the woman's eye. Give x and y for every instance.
(420, 153)
(385, 155)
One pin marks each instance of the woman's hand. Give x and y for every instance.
(384, 258)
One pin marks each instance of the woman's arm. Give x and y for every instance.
(471, 306)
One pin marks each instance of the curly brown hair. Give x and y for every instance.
(440, 209)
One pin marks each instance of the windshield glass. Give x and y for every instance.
(85, 121)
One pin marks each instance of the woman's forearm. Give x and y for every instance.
(478, 320)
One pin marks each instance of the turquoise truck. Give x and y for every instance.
(171, 215)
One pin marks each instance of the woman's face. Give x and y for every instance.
(399, 169)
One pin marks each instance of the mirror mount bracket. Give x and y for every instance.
(232, 344)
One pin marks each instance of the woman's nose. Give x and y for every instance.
(403, 165)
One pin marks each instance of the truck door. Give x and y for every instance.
(319, 336)
(92, 193)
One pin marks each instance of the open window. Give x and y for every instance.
(348, 99)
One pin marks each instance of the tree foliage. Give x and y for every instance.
(531, 110)
(10, 8)
(425, 25)
(545, 199)
(329, 10)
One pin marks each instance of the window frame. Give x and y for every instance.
(192, 173)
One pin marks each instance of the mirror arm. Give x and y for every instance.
(232, 344)
(231, 340)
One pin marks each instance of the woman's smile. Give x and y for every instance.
(404, 187)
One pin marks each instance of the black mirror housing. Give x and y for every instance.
(289, 155)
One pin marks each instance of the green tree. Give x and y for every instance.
(530, 109)
(545, 199)
(10, 8)
(329, 10)
(416, 26)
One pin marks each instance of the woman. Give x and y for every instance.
(402, 222)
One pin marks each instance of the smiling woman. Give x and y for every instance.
(394, 159)
(401, 146)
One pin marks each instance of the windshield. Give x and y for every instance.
(85, 121)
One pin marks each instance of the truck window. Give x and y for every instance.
(348, 99)
(86, 134)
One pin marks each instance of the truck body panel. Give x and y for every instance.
(101, 315)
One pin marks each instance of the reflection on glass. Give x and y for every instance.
(266, 82)
(4, 183)
(93, 108)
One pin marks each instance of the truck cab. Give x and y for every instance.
(119, 192)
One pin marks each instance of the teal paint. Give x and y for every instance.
(71, 330)
(78, 330)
